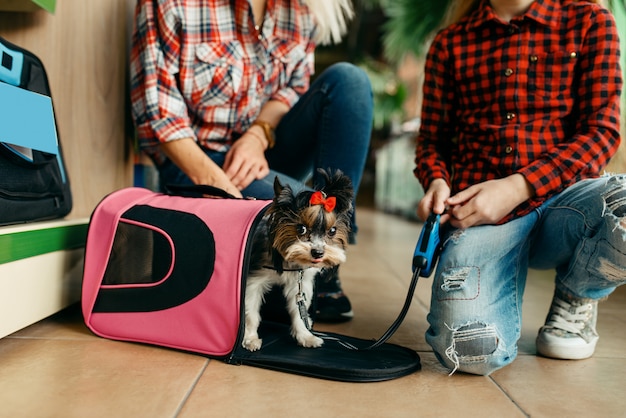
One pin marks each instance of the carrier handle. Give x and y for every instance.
(197, 190)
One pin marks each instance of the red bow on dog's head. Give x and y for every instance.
(319, 198)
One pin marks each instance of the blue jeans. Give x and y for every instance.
(476, 303)
(329, 128)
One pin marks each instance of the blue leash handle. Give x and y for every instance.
(428, 246)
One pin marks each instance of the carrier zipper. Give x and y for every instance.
(231, 359)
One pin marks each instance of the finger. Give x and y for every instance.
(264, 171)
(247, 180)
(239, 169)
(444, 218)
(235, 192)
(466, 223)
(461, 213)
(439, 206)
(239, 178)
(228, 161)
(462, 196)
(424, 207)
(246, 175)
(230, 188)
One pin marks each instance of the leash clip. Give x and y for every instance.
(300, 301)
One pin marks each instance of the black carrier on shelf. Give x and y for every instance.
(34, 185)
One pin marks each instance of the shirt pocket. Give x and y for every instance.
(551, 74)
(286, 56)
(218, 73)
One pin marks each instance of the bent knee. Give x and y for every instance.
(614, 197)
(474, 348)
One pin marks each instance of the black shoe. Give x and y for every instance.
(332, 305)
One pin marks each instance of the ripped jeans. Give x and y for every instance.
(476, 306)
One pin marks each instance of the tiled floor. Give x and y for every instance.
(57, 368)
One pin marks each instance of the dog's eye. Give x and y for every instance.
(332, 231)
(301, 229)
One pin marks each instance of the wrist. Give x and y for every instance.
(525, 188)
(258, 133)
(268, 132)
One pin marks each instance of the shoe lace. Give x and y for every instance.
(568, 317)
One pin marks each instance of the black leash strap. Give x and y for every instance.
(300, 300)
(424, 260)
(391, 330)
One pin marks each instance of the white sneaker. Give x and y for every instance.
(570, 329)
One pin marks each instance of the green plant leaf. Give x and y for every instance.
(410, 24)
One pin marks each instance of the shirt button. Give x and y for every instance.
(534, 58)
(508, 149)
(508, 72)
(510, 116)
(511, 30)
(573, 54)
(259, 37)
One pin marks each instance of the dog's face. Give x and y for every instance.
(311, 229)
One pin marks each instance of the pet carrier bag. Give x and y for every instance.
(33, 182)
(171, 271)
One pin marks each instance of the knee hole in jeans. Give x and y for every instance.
(472, 343)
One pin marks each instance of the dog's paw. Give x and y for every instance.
(309, 341)
(252, 344)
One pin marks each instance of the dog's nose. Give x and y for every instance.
(315, 253)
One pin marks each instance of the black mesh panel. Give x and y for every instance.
(139, 255)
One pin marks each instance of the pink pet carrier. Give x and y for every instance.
(170, 271)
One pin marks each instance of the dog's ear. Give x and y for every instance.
(283, 195)
(278, 188)
(340, 186)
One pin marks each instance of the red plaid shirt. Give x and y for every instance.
(200, 68)
(539, 96)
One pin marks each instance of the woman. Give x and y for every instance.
(221, 95)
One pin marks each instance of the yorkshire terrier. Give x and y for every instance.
(303, 234)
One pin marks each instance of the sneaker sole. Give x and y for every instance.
(564, 352)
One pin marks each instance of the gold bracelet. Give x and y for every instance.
(269, 132)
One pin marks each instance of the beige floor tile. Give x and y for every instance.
(242, 391)
(553, 388)
(66, 325)
(96, 378)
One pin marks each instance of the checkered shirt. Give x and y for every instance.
(200, 68)
(538, 96)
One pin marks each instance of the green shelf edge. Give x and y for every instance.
(48, 5)
(25, 244)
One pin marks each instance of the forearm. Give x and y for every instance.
(272, 112)
(190, 158)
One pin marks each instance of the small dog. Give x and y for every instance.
(303, 234)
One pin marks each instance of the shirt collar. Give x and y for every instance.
(545, 12)
(246, 20)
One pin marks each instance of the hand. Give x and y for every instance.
(245, 161)
(434, 200)
(488, 202)
(221, 181)
(188, 156)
